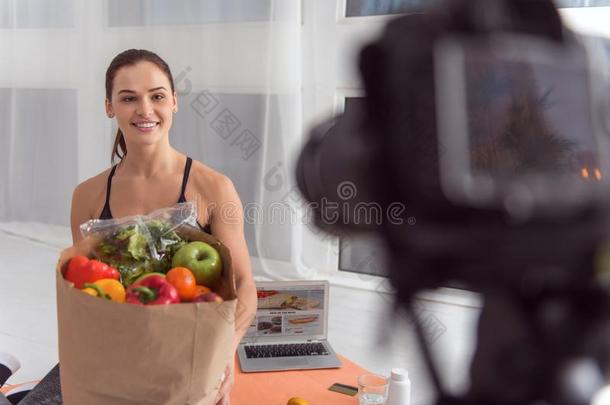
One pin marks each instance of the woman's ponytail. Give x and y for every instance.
(119, 143)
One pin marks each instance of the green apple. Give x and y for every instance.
(202, 259)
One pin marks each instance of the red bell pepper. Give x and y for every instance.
(153, 290)
(81, 270)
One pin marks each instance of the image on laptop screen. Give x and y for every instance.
(289, 311)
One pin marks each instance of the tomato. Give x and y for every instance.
(81, 270)
(75, 264)
(184, 281)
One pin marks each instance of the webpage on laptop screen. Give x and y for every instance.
(289, 311)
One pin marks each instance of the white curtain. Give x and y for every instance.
(252, 77)
(237, 66)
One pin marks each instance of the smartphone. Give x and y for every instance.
(343, 389)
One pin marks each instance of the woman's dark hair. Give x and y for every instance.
(129, 58)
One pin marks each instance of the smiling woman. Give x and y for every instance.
(151, 174)
(135, 107)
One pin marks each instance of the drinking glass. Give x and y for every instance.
(372, 389)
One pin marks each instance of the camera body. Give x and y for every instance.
(482, 117)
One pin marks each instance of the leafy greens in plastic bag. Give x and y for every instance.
(141, 244)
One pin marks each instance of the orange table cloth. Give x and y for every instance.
(277, 387)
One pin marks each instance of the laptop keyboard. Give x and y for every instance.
(285, 350)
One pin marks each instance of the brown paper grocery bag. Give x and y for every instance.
(111, 353)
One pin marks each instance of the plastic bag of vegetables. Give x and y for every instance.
(140, 244)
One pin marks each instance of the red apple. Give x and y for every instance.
(208, 297)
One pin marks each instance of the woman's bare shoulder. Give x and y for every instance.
(218, 193)
(209, 182)
(87, 201)
(91, 191)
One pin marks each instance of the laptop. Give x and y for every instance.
(289, 331)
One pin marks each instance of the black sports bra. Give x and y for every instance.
(107, 214)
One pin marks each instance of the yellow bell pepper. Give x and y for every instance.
(107, 288)
(90, 291)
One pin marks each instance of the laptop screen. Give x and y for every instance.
(289, 311)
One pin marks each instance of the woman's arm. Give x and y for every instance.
(227, 223)
(79, 212)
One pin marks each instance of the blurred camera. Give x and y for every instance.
(489, 114)
(487, 120)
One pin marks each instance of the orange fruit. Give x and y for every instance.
(184, 281)
(297, 401)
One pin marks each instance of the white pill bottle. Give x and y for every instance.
(399, 392)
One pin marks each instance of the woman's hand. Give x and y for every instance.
(228, 379)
